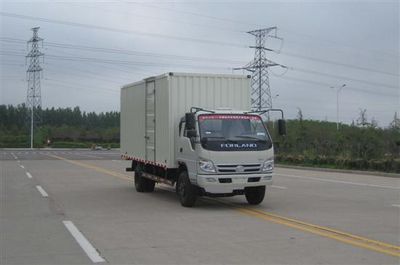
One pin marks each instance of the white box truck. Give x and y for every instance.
(196, 131)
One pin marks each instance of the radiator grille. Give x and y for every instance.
(239, 168)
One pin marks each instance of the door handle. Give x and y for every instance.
(147, 137)
(181, 149)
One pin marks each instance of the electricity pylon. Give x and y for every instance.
(260, 89)
(34, 97)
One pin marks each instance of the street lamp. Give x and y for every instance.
(337, 104)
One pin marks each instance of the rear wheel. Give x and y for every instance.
(143, 184)
(139, 180)
(150, 185)
(187, 193)
(255, 195)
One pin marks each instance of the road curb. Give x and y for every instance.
(360, 172)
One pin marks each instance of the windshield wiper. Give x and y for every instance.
(220, 137)
(214, 137)
(250, 137)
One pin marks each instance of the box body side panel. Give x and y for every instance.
(174, 96)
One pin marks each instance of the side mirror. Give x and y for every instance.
(190, 120)
(281, 127)
(191, 134)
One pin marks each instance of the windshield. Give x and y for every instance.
(231, 132)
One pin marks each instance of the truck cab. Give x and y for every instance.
(223, 153)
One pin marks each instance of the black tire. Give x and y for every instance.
(187, 193)
(140, 183)
(255, 195)
(143, 184)
(149, 186)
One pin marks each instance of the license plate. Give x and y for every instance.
(239, 179)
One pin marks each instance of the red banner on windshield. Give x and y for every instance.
(228, 117)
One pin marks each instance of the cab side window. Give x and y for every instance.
(182, 128)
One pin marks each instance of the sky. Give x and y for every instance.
(92, 48)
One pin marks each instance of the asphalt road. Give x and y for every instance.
(80, 207)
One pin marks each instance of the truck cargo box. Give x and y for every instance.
(151, 110)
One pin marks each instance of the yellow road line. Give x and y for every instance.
(351, 239)
(96, 168)
(344, 237)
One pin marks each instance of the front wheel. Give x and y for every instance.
(255, 195)
(187, 193)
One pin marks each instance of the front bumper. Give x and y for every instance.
(226, 184)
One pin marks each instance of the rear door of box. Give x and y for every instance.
(133, 120)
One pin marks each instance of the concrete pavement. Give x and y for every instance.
(126, 227)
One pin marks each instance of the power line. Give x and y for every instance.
(114, 30)
(137, 53)
(261, 26)
(341, 77)
(326, 85)
(79, 70)
(85, 74)
(169, 20)
(194, 58)
(120, 69)
(202, 15)
(126, 52)
(310, 58)
(77, 86)
(365, 51)
(123, 62)
(146, 64)
(11, 64)
(368, 52)
(118, 62)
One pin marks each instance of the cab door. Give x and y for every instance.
(186, 153)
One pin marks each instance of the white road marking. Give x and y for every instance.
(278, 187)
(28, 175)
(42, 191)
(90, 251)
(396, 205)
(15, 157)
(339, 181)
(21, 166)
(18, 161)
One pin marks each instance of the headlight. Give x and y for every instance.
(207, 166)
(268, 166)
